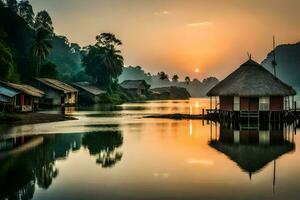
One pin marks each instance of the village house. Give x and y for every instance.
(251, 91)
(57, 93)
(19, 97)
(87, 94)
(136, 87)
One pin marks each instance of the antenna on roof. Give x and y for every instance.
(249, 55)
(274, 57)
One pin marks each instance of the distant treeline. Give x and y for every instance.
(195, 87)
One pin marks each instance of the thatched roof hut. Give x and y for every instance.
(251, 79)
(253, 88)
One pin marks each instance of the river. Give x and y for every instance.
(115, 153)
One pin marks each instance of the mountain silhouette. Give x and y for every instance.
(288, 63)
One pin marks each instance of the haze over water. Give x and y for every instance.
(120, 155)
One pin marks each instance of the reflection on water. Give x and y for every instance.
(36, 166)
(252, 149)
(117, 154)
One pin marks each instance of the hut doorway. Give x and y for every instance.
(249, 103)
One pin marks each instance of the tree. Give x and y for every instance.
(43, 20)
(26, 12)
(7, 68)
(108, 40)
(41, 47)
(12, 5)
(75, 48)
(162, 75)
(175, 78)
(103, 61)
(187, 80)
(48, 70)
(104, 146)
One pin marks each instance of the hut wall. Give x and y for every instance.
(51, 97)
(226, 103)
(70, 98)
(24, 103)
(276, 103)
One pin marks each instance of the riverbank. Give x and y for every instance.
(32, 118)
(177, 116)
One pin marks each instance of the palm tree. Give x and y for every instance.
(162, 75)
(103, 61)
(41, 47)
(175, 78)
(113, 61)
(187, 80)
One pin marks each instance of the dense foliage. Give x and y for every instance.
(103, 61)
(29, 44)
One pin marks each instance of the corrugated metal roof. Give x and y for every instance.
(58, 85)
(27, 89)
(9, 92)
(89, 88)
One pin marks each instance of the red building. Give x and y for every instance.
(252, 88)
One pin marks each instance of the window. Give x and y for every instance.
(264, 103)
(236, 103)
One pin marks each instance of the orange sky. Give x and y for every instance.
(178, 36)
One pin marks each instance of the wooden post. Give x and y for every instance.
(210, 106)
(295, 110)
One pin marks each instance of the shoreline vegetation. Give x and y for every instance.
(32, 118)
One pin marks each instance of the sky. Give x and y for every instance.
(180, 36)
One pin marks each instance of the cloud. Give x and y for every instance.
(164, 12)
(206, 23)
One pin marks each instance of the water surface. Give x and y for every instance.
(115, 153)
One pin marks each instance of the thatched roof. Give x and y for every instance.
(134, 84)
(58, 85)
(252, 158)
(27, 89)
(251, 79)
(89, 88)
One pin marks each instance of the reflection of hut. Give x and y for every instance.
(251, 90)
(87, 94)
(56, 92)
(19, 97)
(136, 87)
(252, 149)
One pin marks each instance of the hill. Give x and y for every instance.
(288, 63)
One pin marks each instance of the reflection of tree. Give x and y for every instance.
(19, 174)
(103, 144)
